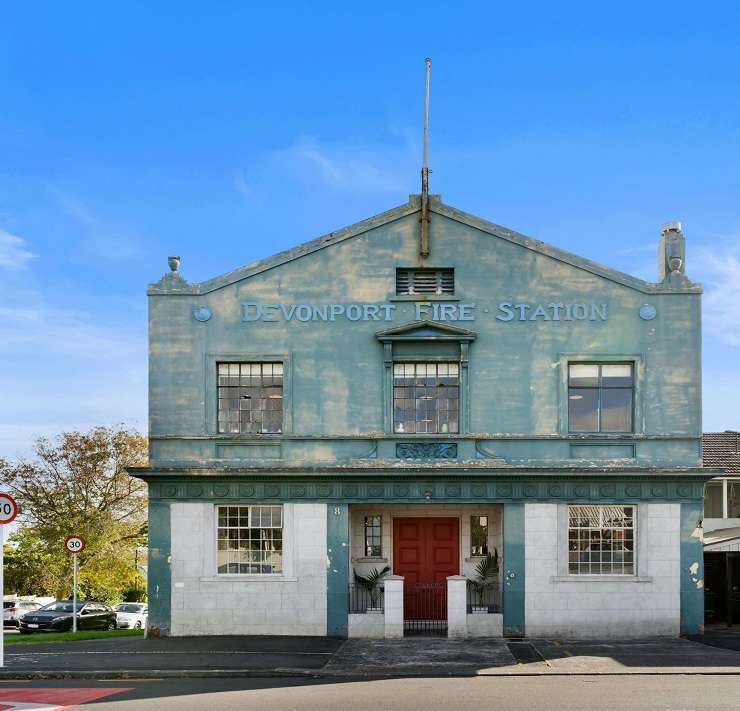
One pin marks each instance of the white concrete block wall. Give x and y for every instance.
(647, 605)
(203, 602)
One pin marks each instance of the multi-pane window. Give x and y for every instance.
(600, 397)
(601, 540)
(425, 281)
(373, 536)
(249, 540)
(426, 397)
(478, 535)
(250, 397)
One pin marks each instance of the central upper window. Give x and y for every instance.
(425, 281)
(426, 398)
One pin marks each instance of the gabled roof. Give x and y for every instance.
(722, 449)
(168, 284)
(425, 330)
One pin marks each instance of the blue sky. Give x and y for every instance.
(227, 131)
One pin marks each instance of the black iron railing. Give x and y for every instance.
(488, 599)
(425, 609)
(362, 600)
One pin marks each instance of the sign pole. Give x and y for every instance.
(74, 593)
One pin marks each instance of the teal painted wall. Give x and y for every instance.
(516, 370)
(513, 572)
(692, 569)
(158, 575)
(337, 572)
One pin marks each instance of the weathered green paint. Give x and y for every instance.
(692, 569)
(336, 369)
(436, 486)
(159, 592)
(513, 571)
(337, 572)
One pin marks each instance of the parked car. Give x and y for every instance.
(57, 617)
(131, 615)
(13, 609)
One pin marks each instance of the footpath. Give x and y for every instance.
(185, 657)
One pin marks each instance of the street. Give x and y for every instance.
(571, 693)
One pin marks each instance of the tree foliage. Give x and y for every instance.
(77, 484)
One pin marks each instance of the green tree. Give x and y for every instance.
(77, 484)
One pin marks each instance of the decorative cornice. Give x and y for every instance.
(429, 489)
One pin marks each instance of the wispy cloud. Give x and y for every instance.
(718, 268)
(100, 236)
(14, 253)
(348, 166)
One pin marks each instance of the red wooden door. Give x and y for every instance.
(425, 550)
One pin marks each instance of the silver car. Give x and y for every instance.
(13, 609)
(131, 615)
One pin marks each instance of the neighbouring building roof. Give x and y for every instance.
(722, 449)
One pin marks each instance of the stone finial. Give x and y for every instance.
(672, 255)
(174, 263)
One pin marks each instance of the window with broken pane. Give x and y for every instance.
(249, 540)
(601, 540)
(250, 398)
(426, 398)
(600, 397)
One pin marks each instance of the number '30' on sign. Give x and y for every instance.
(74, 544)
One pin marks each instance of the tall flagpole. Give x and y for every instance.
(424, 237)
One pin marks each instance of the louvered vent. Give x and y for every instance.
(425, 281)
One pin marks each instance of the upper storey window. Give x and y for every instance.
(426, 398)
(600, 397)
(250, 398)
(428, 282)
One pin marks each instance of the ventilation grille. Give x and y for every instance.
(425, 281)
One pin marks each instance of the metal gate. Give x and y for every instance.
(425, 609)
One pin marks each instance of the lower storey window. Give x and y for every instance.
(249, 540)
(373, 536)
(478, 535)
(601, 540)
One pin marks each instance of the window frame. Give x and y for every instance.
(249, 506)
(379, 536)
(472, 553)
(638, 390)
(210, 391)
(416, 362)
(600, 388)
(241, 365)
(635, 540)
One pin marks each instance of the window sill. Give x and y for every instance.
(423, 297)
(601, 579)
(231, 578)
(369, 560)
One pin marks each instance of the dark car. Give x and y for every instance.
(57, 617)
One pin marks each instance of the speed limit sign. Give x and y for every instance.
(74, 544)
(8, 508)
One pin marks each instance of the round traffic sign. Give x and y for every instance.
(8, 508)
(74, 544)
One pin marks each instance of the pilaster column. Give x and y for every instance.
(513, 570)
(393, 585)
(457, 606)
(337, 573)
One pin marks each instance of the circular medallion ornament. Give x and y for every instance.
(201, 313)
(648, 312)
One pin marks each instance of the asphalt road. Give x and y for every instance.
(574, 693)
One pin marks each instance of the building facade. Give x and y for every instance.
(507, 435)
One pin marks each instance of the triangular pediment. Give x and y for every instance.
(425, 331)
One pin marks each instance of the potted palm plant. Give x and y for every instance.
(486, 577)
(369, 583)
